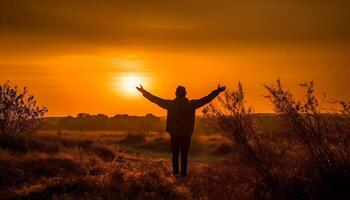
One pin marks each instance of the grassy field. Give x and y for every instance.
(136, 165)
(116, 165)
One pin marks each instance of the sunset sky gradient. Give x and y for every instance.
(75, 55)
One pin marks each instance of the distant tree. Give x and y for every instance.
(102, 116)
(20, 116)
(150, 115)
(83, 115)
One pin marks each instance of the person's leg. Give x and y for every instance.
(175, 149)
(185, 146)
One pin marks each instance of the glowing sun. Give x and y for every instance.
(130, 82)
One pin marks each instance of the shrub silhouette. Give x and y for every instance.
(323, 160)
(19, 116)
(231, 116)
(324, 138)
(345, 107)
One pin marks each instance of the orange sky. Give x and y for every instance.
(75, 55)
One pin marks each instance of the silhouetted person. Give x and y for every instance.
(180, 121)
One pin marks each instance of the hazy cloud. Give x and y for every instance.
(151, 22)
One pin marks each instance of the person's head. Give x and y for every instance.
(180, 91)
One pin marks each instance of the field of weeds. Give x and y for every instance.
(122, 165)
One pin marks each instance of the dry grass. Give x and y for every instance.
(93, 165)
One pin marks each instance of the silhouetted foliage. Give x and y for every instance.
(320, 151)
(345, 107)
(325, 139)
(231, 117)
(119, 122)
(101, 122)
(19, 115)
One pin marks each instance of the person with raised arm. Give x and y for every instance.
(180, 121)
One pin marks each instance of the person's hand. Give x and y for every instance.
(221, 88)
(140, 89)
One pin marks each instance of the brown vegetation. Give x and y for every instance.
(316, 167)
(19, 116)
(70, 165)
(301, 153)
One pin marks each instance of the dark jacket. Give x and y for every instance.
(181, 111)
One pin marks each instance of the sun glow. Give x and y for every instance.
(130, 82)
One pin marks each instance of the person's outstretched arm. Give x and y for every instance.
(157, 100)
(197, 103)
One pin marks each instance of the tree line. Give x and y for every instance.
(99, 122)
